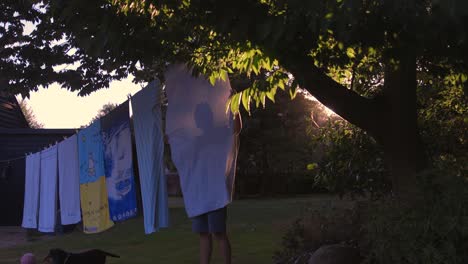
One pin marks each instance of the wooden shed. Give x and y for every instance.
(17, 139)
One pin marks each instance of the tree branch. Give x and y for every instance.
(360, 111)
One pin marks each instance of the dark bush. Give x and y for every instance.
(433, 229)
(352, 161)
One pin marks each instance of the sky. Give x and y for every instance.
(59, 108)
(56, 107)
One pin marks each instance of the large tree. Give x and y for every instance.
(105, 109)
(31, 118)
(332, 48)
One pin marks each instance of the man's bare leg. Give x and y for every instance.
(206, 247)
(224, 246)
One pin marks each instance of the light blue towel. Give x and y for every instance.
(48, 190)
(91, 153)
(150, 151)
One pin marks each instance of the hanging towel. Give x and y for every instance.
(201, 135)
(31, 190)
(93, 191)
(69, 181)
(96, 217)
(118, 161)
(48, 190)
(149, 139)
(91, 153)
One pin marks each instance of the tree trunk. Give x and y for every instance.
(391, 118)
(400, 137)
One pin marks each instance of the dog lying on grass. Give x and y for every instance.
(93, 256)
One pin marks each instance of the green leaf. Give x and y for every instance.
(246, 100)
(266, 64)
(262, 99)
(463, 77)
(212, 79)
(255, 68)
(351, 53)
(292, 92)
(235, 102)
(340, 46)
(281, 84)
(223, 74)
(271, 94)
(312, 166)
(329, 15)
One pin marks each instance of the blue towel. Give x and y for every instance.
(118, 163)
(150, 152)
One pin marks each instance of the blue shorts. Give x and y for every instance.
(211, 222)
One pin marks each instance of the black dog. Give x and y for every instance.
(94, 256)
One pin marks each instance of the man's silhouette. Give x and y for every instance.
(206, 150)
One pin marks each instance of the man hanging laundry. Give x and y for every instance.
(204, 143)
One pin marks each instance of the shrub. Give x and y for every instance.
(433, 230)
(292, 245)
(320, 226)
(352, 161)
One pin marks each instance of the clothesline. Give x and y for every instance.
(27, 153)
(129, 97)
(13, 159)
(92, 189)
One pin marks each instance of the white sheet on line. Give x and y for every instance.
(31, 190)
(202, 141)
(146, 106)
(69, 181)
(48, 190)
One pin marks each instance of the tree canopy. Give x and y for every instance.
(31, 118)
(361, 58)
(104, 110)
(267, 40)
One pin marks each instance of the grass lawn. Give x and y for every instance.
(255, 229)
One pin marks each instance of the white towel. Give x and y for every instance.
(69, 181)
(202, 139)
(31, 190)
(150, 152)
(48, 190)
